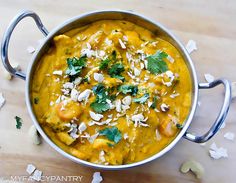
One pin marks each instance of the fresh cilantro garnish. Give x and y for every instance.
(115, 71)
(113, 134)
(156, 64)
(128, 89)
(36, 100)
(75, 66)
(179, 126)
(18, 122)
(142, 99)
(104, 64)
(154, 103)
(100, 104)
(100, 107)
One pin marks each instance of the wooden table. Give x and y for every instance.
(210, 23)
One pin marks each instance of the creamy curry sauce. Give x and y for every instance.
(111, 92)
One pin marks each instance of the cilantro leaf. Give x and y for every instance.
(104, 64)
(18, 122)
(100, 104)
(113, 134)
(142, 99)
(75, 66)
(115, 71)
(156, 64)
(128, 89)
(100, 107)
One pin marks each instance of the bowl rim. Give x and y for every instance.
(125, 166)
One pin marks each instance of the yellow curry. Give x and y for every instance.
(111, 92)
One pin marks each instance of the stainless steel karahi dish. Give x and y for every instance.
(137, 19)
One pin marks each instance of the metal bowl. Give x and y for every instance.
(137, 19)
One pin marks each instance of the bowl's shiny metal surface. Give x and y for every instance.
(142, 21)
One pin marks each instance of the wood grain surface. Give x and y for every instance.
(210, 23)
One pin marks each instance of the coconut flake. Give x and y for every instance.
(191, 46)
(217, 153)
(171, 59)
(164, 107)
(95, 116)
(136, 72)
(125, 136)
(122, 44)
(209, 78)
(127, 100)
(92, 138)
(118, 105)
(2, 100)
(84, 95)
(229, 136)
(98, 77)
(30, 169)
(78, 80)
(59, 73)
(158, 135)
(74, 94)
(37, 175)
(82, 127)
(68, 85)
(97, 178)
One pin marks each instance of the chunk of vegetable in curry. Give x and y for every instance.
(111, 92)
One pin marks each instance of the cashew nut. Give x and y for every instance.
(233, 85)
(194, 166)
(34, 136)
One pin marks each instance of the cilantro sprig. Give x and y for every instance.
(133, 90)
(112, 134)
(115, 71)
(100, 104)
(75, 66)
(156, 63)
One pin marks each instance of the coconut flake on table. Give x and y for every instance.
(37, 175)
(2, 100)
(229, 136)
(30, 49)
(30, 169)
(191, 46)
(97, 178)
(95, 116)
(209, 78)
(217, 153)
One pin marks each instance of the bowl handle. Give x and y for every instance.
(222, 115)
(7, 36)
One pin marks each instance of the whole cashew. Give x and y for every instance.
(194, 166)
